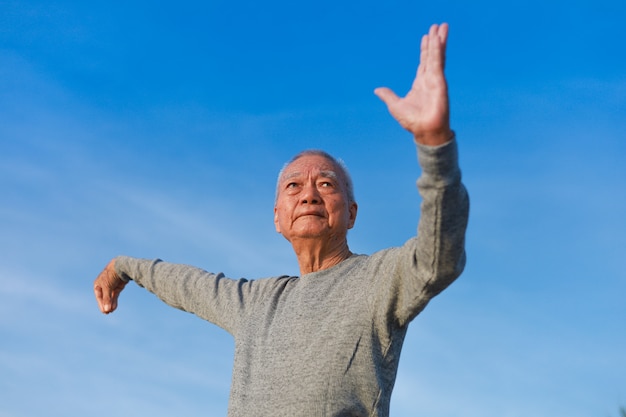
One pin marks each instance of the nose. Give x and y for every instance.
(310, 195)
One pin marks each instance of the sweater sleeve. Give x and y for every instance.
(213, 297)
(426, 264)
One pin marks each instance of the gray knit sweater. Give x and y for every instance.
(327, 343)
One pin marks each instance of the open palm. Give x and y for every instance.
(424, 111)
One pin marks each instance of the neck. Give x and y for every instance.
(314, 256)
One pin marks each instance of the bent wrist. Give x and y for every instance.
(435, 138)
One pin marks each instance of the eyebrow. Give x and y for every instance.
(324, 174)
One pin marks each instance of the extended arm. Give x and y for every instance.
(213, 297)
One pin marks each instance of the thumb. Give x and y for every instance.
(386, 95)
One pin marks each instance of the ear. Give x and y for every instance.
(352, 210)
(276, 223)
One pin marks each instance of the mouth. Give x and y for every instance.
(310, 214)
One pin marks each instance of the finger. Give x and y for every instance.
(105, 300)
(423, 55)
(98, 293)
(443, 39)
(114, 296)
(443, 33)
(386, 95)
(436, 47)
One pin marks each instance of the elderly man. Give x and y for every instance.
(327, 343)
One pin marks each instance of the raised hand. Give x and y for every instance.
(425, 110)
(107, 288)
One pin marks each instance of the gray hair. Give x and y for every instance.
(336, 161)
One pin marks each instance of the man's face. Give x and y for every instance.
(312, 201)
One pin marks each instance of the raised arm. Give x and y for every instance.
(432, 260)
(425, 110)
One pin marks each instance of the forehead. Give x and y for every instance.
(311, 164)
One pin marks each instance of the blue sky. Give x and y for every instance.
(157, 130)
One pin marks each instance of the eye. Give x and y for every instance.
(326, 184)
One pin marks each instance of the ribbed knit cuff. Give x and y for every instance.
(121, 267)
(439, 161)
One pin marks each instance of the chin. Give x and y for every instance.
(311, 233)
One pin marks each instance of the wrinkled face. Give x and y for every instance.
(312, 201)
